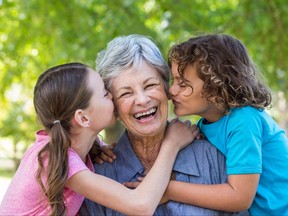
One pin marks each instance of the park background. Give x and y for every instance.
(35, 35)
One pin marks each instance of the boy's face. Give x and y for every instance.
(186, 96)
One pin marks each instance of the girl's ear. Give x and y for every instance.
(81, 119)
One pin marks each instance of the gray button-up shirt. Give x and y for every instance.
(199, 163)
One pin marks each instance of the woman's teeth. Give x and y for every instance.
(151, 111)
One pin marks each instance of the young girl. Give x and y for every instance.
(214, 77)
(56, 172)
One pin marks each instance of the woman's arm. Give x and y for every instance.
(236, 195)
(145, 198)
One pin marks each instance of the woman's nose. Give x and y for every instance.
(142, 98)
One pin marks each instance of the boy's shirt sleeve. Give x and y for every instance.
(244, 150)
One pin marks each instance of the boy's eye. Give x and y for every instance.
(182, 84)
(106, 93)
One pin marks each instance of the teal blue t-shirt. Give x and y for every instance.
(252, 143)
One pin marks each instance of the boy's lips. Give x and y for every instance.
(175, 102)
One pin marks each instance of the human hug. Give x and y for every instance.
(231, 162)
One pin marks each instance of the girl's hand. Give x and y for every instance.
(200, 136)
(181, 133)
(105, 154)
(133, 185)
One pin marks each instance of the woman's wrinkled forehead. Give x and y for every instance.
(134, 75)
(138, 67)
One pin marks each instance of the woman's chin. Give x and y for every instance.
(151, 130)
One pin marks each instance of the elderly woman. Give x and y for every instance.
(136, 74)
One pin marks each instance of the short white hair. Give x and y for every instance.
(124, 52)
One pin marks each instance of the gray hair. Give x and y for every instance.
(124, 52)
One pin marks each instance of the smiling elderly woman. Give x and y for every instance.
(136, 74)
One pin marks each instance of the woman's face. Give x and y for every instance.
(101, 109)
(187, 101)
(141, 101)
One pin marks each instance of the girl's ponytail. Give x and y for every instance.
(59, 92)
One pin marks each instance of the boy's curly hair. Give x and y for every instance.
(222, 62)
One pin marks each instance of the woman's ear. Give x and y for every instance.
(81, 119)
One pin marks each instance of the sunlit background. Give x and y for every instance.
(35, 35)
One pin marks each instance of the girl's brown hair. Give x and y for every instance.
(222, 62)
(59, 92)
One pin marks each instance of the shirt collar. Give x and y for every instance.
(128, 159)
(185, 162)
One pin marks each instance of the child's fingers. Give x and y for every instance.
(174, 120)
(140, 179)
(195, 131)
(109, 153)
(112, 146)
(188, 122)
(98, 160)
(105, 157)
(194, 127)
(131, 185)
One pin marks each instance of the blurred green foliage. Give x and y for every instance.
(35, 35)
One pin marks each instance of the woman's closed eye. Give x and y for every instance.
(124, 94)
(151, 85)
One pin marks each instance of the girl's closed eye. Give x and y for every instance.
(106, 93)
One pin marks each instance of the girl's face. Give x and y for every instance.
(187, 100)
(141, 101)
(101, 109)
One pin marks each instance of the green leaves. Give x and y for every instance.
(35, 35)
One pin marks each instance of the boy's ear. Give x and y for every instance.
(81, 119)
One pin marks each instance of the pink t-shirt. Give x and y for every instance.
(24, 195)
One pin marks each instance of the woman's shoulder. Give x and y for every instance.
(200, 146)
(202, 153)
